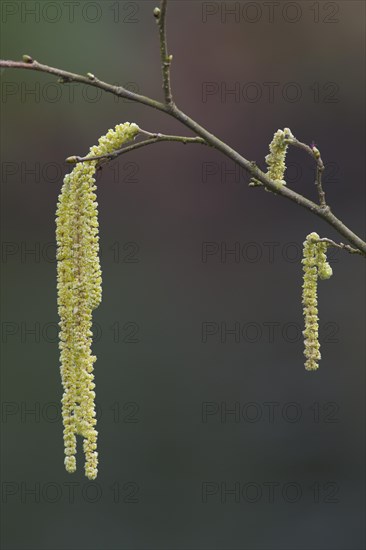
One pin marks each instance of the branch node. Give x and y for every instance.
(64, 79)
(325, 208)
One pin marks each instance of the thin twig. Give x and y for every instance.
(315, 154)
(342, 246)
(155, 139)
(66, 77)
(166, 59)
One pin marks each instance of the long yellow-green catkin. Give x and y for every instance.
(79, 293)
(314, 265)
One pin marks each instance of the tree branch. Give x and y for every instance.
(65, 77)
(166, 59)
(321, 211)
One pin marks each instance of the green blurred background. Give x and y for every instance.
(170, 450)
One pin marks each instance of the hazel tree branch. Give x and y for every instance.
(166, 59)
(322, 210)
(155, 138)
(66, 77)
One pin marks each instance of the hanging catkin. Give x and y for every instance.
(79, 293)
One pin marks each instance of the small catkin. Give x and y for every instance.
(79, 293)
(315, 266)
(275, 160)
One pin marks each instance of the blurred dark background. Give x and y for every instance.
(178, 468)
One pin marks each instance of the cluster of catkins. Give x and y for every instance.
(79, 293)
(314, 262)
(79, 287)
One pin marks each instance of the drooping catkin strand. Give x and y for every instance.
(315, 266)
(79, 293)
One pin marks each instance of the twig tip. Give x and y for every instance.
(72, 160)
